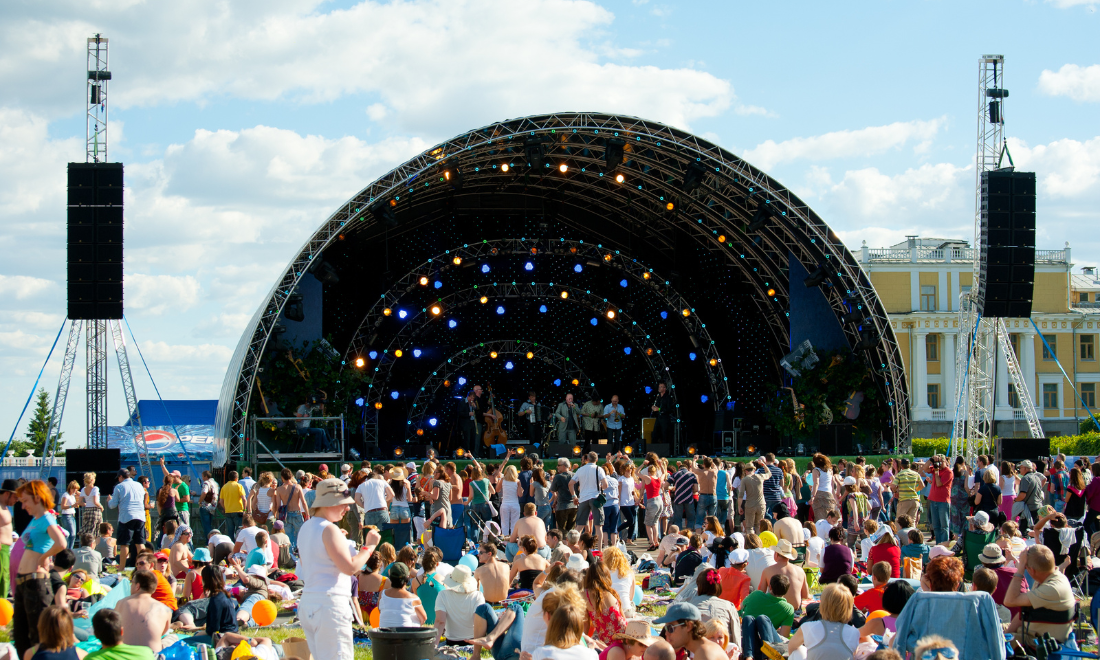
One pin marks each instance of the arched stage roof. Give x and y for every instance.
(691, 249)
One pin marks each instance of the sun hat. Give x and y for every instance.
(768, 539)
(201, 554)
(576, 563)
(992, 554)
(981, 518)
(739, 556)
(332, 492)
(637, 630)
(849, 481)
(461, 580)
(785, 549)
(398, 473)
(939, 551)
(680, 612)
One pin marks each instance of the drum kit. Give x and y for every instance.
(517, 427)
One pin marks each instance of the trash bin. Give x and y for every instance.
(402, 643)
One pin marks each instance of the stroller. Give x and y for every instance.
(488, 530)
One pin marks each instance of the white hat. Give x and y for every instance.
(332, 492)
(739, 556)
(258, 569)
(939, 551)
(981, 518)
(786, 549)
(410, 466)
(849, 481)
(576, 562)
(461, 580)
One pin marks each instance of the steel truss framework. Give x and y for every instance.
(728, 194)
(592, 252)
(446, 370)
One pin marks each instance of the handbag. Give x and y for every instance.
(492, 509)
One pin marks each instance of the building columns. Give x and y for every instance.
(947, 368)
(920, 377)
(1027, 368)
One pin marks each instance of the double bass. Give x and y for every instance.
(494, 434)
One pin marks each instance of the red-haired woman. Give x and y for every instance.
(42, 539)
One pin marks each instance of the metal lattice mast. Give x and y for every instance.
(60, 397)
(1017, 376)
(99, 75)
(131, 399)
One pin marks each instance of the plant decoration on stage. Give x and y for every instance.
(290, 377)
(838, 389)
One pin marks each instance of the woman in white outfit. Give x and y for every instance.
(509, 500)
(326, 567)
(397, 607)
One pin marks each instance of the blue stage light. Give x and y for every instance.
(692, 356)
(500, 309)
(373, 355)
(557, 382)
(461, 380)
(578, 268)
(664, 315)
(485, 268)
(542, 308)
(623, 283)
(703, 398)
(438, 284)
(402, 313)
(529, 266)
(394, 394)
(648, 389)
(359, 402)
(452, 323)
(626, 349)
(416, 352)
(594, 321)
(508, 365)
(432, 421)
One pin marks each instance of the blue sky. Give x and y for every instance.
(242, 125)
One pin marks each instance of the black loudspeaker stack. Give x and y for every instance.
(1018, 449)
(95, 241)
(1008, 244)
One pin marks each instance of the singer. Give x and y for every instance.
(665, 408)
(614, 415)
(568, 417)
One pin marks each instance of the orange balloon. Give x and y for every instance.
(6, 611)
(877, 614)
(375, 616)
(264, 613)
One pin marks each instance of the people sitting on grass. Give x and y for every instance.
(146, 621)
(55, 637)
(684, 630)
(527, 565)
(772, 603)
(799, 590)
(108, 629)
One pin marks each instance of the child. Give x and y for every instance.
(106, 543)
(371, 582)
(986, 580)
(857, 506)
(823, 526)
(870, 531)
(169, 534)
(719, 634)
(906, 525)
(261, 554)
(916, 547)
(192, 585)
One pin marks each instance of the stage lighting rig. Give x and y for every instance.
(453, 176)
(816, 278)
(868, 339)
(613, 154)
(294, 310)
(854, 316)
(535, 150)
(383, 214)
(760, 219)
(693, 176)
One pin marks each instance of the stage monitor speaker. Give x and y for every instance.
(95, 194)
(648, 423)
(95, 460)
(1019, 449)
(1007, 259)
(728, 445)
(836, 440)
(558, 450)
(659, 448)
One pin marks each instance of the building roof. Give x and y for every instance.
(936, 243)
(182, 412)
(1085, 282)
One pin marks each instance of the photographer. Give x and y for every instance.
(939, 507)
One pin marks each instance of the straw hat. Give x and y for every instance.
(992, 554)
(637, 630)
(785, 549)
(398, 473)
(332, 492)
(461, 580)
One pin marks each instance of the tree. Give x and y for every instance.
(38, 428)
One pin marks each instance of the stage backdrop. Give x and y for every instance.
(197, 439)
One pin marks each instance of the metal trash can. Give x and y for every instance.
(402, 643)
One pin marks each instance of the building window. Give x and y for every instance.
(1088, 347)
(1050, 396)
(1083, 297)
(1088, 395)
(1014, 339)
(1013, 396)
(933, 395)
(1052, 342)
(932, 348)
(928, 299)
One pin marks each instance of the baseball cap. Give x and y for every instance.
(680, 612)
(9, 486)
(739, 556)
(161, 555)
(939, 551)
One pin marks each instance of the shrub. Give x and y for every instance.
(1088, 425)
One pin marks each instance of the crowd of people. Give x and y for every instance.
(824, 562)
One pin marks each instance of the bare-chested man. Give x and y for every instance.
(707, 474)
(144, 620)
(529, 525)
(458, 510)
(784, 555)
(492, 573)
(7, 498)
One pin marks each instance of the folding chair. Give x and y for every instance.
(450, 541)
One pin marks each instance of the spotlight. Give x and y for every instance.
(816, 278)
(686, 312)
(485, 268)
(611, 314)
(626, 349)
(432, 421)
(528, 266)
(395, 395)
(703, 398)
(398, 452)
(436, 309)
(557, 382)
(452, 323)
(383, 214)
(493, 354)
(508, 365)
(420, 431)
(373, 355)
(402, 313)
(646, 276)
(854, 316)
(500, 309)
(387, 311)
(751, 450)
(520, 451)
(377, 405)
(692, 356)
(530, 355)
(628, 450)
(460, 452)
(534, 250)
(648, 389)
(483, 300)
(649, 351)
(669, 206)
(359, 402)
(398, 353)
(607, 257)
(563, 168)
(578, 268)
(713, 362)
(692, 449)
(504, 167)
(446, 383)
(416, 352)
(619, 178)
(868, 340)
(573, 250)
(533, 150)
(359, 362)
(456, 261)
(438, 284)
(461, 380)
(423, 281)
(760, 218)
(693, 177)
(594, 321)
(771, 292)
(613, 153)
(576, 382)
(664, 315)
(565, 294)
(542, 308)
(721, 238)
(576, 450)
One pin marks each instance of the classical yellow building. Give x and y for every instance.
(919, 282)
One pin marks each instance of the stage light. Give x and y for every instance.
(452, 323)
(500, 309)
(398, 452)
(693, 177)
(557, 382)
(387, 311)
(646, 276)
(377, 405)
(721, 238)
(619, 178)
(649, 351)
(373, 355)
(613, 152)
(402, 313)
(624, 283)
(493, 354)
(686, 312)
(416, 352)
(664, 315)
(854, 316)
(576, 382)
(542, 308)
(460, 452)
(438, 284)
(530, 355)
(446, 175)
(528, 266)
(420, 431)
(359, 402)
(446, 383)
(868, 340)
(648, 389)
(578, 268)
(461, 380)
(628, 450)
(508, 365)
(760, 218)
(436, 309)
(423, 281)
(816, 278)
(398, 353)
(607, 257)
(483, 300)
(485, 268)
(611, 314)
(750, 450)
(692, 356)
(771, 292)
(669, 206)
(456, 261)
(520, 451)
(626, 349)
(564, 295)
(573, 250)
(395, 395)
(703, 398)
(692, 449)
(393, 203)
(576, 450)
(359, 362)
(563, 168)
(594, 321)
(504, 167)
(432, 421)
(534, 250)
(713, 362)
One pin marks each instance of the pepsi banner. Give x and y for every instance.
(198, 440)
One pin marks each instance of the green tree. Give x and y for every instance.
(38, 427)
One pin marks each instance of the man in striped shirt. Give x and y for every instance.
(773, 486)
(907, 485)
(684, 485)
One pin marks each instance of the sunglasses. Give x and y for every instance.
(947, 653)
(673, 626)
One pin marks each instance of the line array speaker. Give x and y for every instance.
(1008, 244)
(95, 240)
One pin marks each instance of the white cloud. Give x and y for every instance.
(159, 294)
(1065, 168)
(842, 144)
(23, 287)
(159, 351)
(1077, 82)
(1065, 4)
(868, 193)
(34, 319)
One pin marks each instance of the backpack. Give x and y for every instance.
(208, 498)
(286, 560)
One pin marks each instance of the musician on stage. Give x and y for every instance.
(593, 424)
(665, 411)
(471, 417)
(613, 413)
(568, 418)
(531, 411)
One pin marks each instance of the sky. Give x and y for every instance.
(242, 125)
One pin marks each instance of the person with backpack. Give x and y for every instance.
(208, 502)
